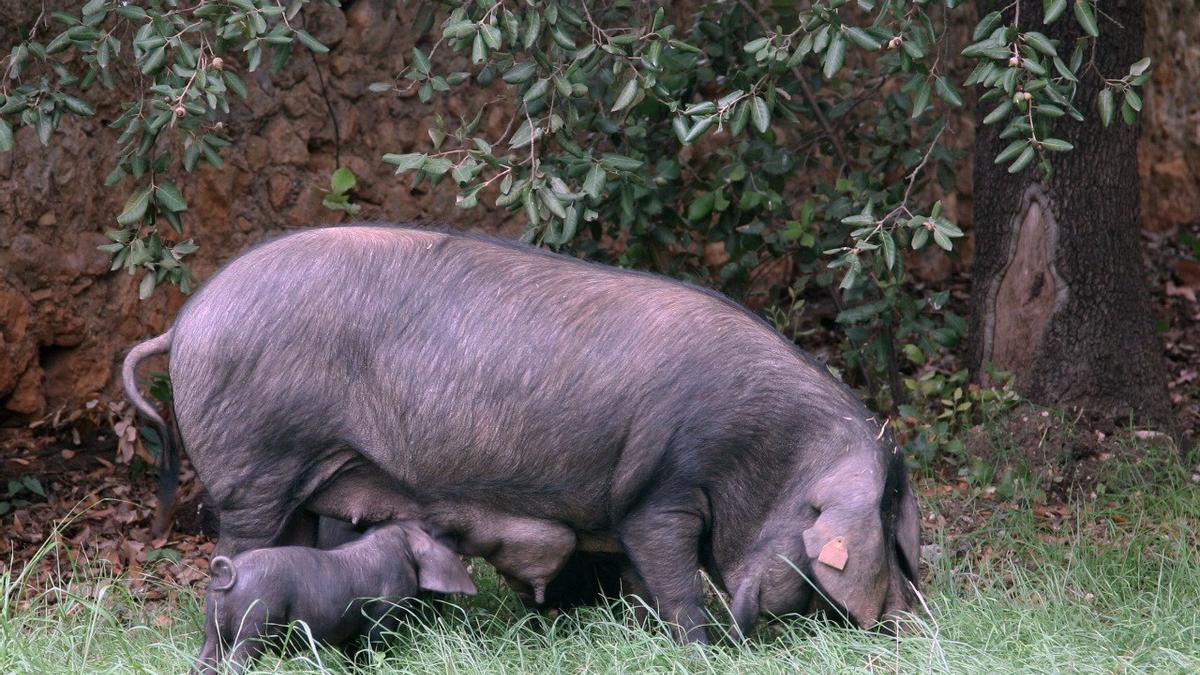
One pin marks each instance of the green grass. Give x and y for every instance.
(1115, 588)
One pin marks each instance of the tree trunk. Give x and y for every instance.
(1059, 291)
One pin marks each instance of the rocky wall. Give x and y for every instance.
(65, 320)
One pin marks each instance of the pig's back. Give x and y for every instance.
(456, 362)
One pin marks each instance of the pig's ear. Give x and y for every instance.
(746, 603)
(438, 568)
(908, 535)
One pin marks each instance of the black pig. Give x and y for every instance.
(369, 373)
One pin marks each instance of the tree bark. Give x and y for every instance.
(1059, 291)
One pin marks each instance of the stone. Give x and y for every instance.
(27, 398)
(285, 142)
(279, 190)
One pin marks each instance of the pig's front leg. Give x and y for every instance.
(663, 544)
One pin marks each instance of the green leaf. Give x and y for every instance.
(1023, 161)
(524, 135)
(702, 108)
(680, 126)
(625, 98)
(914, 354)
(1134, 101)
(421, 62)
(835, 54)
(311, 42)
(985, 26)
(947, 92)
(920, 236)
(536, 91)
(861, 38)
(699, 128)
(859, 219)
(436, 166)
(1011, 151)
(154, 60)
(760, 114)
(146, 288)
(999, 113)
(6, 136)
(593, 184)
(1053, 9)
(479, 50)
(1039, 42)
(93, 7)
(684, 46)
(921, 99)
(343, 180)
(889, 249)
(1047, 110)
(491, 35)
(520, 72)
(33, 485)
(552, 202)
(701, 206)
(405, 162)
(754, 45)
(191, 155)
(534, 29)
(135, 207)
(1064, 70)
(863, 312)
(1056, 145)
(531, 209)
(942, 240)
(1105, 103)
(253, 57)
(620, 162)
(235, 84)
(459, 29)
(1086, 17)
(1139, 67)
(741, 115)
(169, 197)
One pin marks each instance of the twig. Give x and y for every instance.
(337, 134)
(333, 118)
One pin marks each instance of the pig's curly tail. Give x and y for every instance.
(168, 468)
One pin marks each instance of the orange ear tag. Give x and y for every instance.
(834, 553)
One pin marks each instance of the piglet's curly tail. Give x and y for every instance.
(224, 574)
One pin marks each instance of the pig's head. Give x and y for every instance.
(846, 542)
(426, 564)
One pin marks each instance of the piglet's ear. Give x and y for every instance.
(438, 568)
